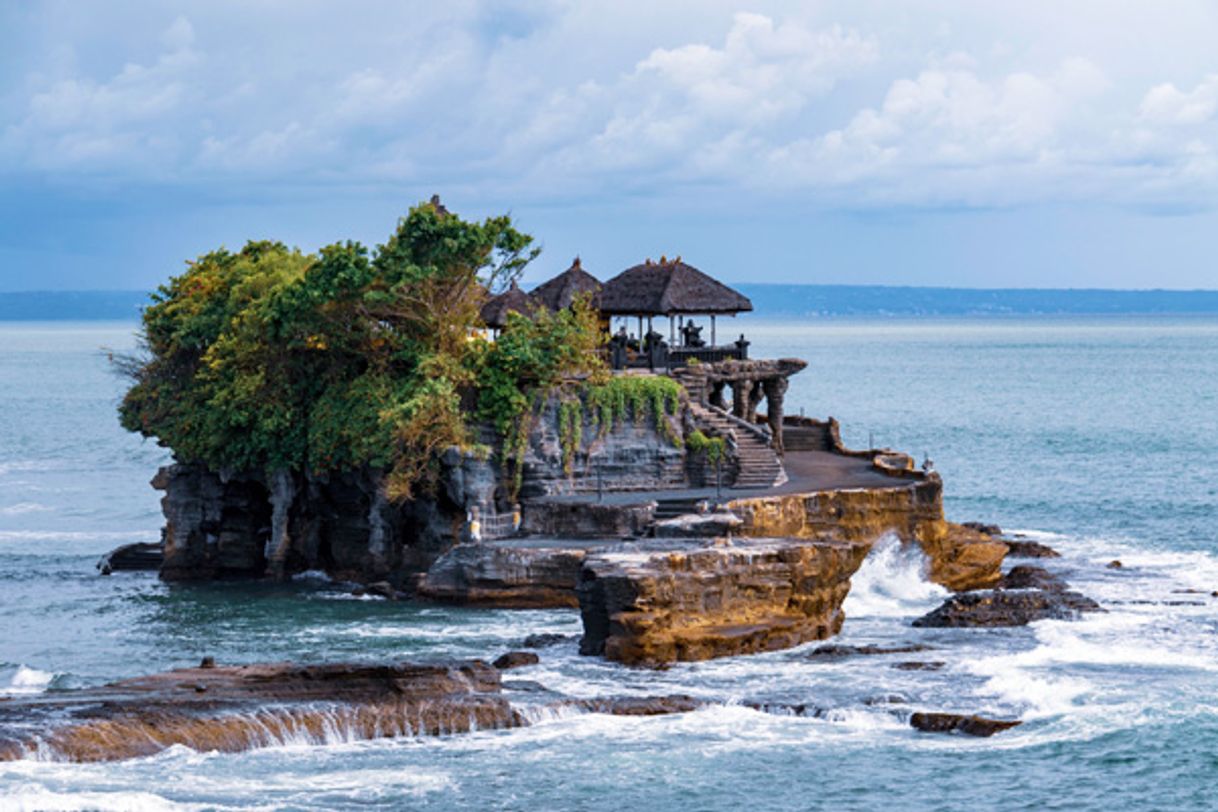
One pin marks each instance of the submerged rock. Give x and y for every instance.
(920, 665)
(1007, 608)
(637, 705)
(234, 708)
(841, 652)
(662, 602)
(959, 723)
(547, 639)
(1030, 549)
(982, 527)
(516, 659)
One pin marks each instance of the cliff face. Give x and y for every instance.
(693, 600)
(912, 509)
(633, 455)
(238, 526)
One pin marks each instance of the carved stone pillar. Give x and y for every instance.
(775, 391)
(740, 397)
(756, 392)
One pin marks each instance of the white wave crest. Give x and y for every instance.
(892, 582)
(25, 681)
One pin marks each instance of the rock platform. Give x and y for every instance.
(679, 600)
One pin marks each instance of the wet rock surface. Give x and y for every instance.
(841, 652)
(668, 601)
(999, 607)
(1030, 549)
(234, 708)
(547, 639)
(516, 659)
(1025, 576)
(960, 723)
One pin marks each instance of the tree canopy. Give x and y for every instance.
(270, 359)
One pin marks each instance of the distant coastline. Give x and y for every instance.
(774, 300)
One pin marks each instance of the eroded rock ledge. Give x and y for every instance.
(236, 708)
(667, 601)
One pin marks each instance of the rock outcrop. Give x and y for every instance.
(661, 602)
(233, 708)
(1000, 607)
(1030, 549)
(960, 723)
(519, 575)
(960, 558)
(237, 526)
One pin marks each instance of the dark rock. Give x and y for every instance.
(208, 662)
(788, 709)
(955, 722)
(516, 659)
(547, 639)
(588, 519)
(1006, 608)
(525, 686)
(1115, 565)
(515, 576)
(918, 665)
(886, 699)
(1029, 577)
(841, 652)
(1031, 549)
(381, 589)
(981, 527)
(138, 556)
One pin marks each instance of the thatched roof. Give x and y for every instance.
(666, 288)
(559, 292)
(513, 300)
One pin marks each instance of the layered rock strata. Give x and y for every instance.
(960, 558)
(515, 576)
(236, 708)
(662, 602)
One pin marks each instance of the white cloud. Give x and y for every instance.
(1166, 104)
(852, 103)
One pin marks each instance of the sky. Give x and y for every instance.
(1071, 143)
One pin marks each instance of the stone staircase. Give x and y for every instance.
(760, 466)
(672, 508)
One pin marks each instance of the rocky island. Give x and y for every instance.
(388, 419)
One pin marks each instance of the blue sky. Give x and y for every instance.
(963, 143)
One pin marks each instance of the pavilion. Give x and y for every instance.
(676, 290)
(561, 291)
(495, 311)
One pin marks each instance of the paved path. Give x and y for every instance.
(808, 471)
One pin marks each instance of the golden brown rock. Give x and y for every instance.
(662, 602)
(234, 708)
(960, 558)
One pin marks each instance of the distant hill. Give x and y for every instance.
(768, 300)
(877, 300)
(72, 305)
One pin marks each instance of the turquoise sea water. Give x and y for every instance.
(1098, 436)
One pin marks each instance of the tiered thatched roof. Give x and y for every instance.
(560, 292)
(513, 300)
(668, 288)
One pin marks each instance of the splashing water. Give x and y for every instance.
(892, 582)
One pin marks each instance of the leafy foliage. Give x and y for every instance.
(270, 359)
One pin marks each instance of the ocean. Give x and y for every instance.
(1097, 436)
